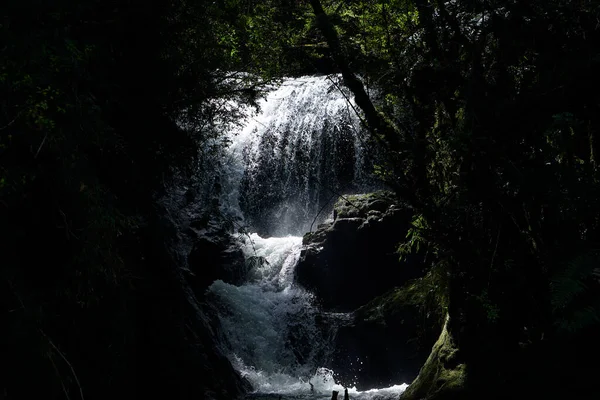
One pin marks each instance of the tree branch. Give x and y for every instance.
(375, 122)
(66, 361)
(381, 129)
(11, 122)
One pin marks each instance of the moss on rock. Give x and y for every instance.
(425, 293)
(391, 302)
(360, 205)
(443, 377)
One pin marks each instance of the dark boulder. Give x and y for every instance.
(215, 254)
(353, 259)
(390, 338)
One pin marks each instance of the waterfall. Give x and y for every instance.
(296, 156)
(285, 168)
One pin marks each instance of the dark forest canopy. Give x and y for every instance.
(488, 110)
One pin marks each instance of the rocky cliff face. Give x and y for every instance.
(352, 259)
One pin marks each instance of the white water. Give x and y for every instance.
(264, 317)
(258, 314)
(276, 335)
(304, 146)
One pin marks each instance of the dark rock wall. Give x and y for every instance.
(177, 342)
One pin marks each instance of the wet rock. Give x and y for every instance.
(215, 254)
(353, 259)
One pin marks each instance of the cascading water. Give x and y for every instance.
(296, 157)
(285, 167)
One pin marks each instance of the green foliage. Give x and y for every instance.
(415, 238)
(371, 31)
(435, 285)
(574, 302)
(265, 38)
(492, 312)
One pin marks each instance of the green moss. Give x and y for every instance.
(358, 205)
(410, 294)
(442, 376)
(426, 293)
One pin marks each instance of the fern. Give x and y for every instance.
(579, 319)
(415, 238)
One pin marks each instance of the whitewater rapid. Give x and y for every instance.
(265, 317)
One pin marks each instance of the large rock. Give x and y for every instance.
(389, 338)
(353, 259)
(215, 254)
